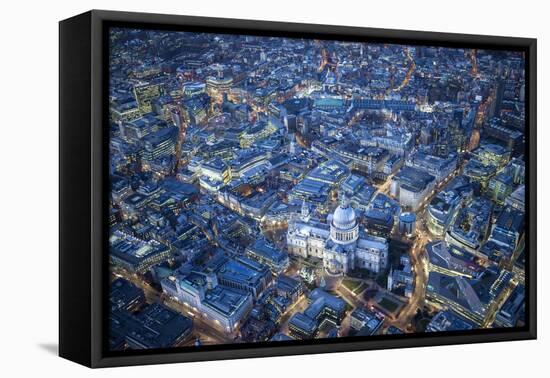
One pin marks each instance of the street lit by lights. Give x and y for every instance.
(250, 172)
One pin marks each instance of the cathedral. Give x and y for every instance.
(340, 243)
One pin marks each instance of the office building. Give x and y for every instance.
(407, 223)
(266, 253)
(244, 274)
(136, 255)
(513, 310)
(448, 321)
(469, 230)
(302, 327)
(225, 307)
(479, 172)
(505, 235)
(155, 327)
(216, 169)
(437, 166)
(500, 187)
(516, 199)
(160, 144)
(145, 93)
(378, 222)
(323, 305)
(469, 298)
(366, 322)
(451, 260)
(411, 187)
(492, 154)
(125, 295)
(289, 287)
(444, 206)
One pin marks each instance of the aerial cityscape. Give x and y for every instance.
(267, 189)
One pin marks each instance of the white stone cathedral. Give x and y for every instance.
(340, 244)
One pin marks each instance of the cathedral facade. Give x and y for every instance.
(339, 242)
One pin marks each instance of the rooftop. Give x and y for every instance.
(239, 272)
(132, 248)
(155, 327)
(448, 321)
(224, 300)
(122, 293)
(267, 250)
(303, 322)
(413, 179)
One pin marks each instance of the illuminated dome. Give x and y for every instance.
(344, 217)
(344, 228)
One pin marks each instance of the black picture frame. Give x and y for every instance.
(83, 183)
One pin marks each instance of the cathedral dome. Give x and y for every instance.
(344, 217)
(344, 228)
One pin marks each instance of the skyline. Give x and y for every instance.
(270, 189)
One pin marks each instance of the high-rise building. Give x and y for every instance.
(160, 144)
(500, 187)
(145, 93)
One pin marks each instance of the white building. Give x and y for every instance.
(339, 244)
(226, 307)
(411, 186)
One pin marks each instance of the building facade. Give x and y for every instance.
(340, 244)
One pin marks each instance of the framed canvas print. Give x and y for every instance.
(233, 188)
